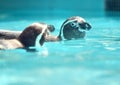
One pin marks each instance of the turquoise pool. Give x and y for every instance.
(94, 60)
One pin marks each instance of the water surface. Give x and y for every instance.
(94, 60)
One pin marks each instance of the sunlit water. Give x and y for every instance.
(94, 60)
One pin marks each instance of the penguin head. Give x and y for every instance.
(75, 27)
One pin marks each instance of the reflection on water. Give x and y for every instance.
(90, 61)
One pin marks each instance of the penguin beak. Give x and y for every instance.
(87, 26)
(51, 28)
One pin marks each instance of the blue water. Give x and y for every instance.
(94, 60)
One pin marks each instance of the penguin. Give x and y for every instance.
(74, 27)
(28, 37)
(8, 34)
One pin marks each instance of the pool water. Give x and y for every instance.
(94, 60)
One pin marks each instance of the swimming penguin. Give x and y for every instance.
(28, 37)
(8, 34)
(72, 28)
(75, 27)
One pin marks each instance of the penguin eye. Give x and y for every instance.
(73, 24)
(85, 25)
